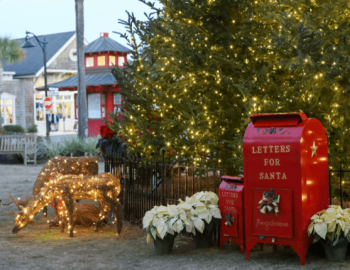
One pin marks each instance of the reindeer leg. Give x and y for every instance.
(56, 209)
(119, 216)
(102, 214)
(63, 220)
(45, 211)
(70, 207)
(68, 200)
(63, 224)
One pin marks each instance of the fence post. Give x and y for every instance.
(163, 180)
(330, 187)
(341, 188)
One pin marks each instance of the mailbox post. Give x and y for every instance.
(285, 179)
(231, 207)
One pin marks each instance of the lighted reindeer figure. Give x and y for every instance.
(65, 165)
(104, 188)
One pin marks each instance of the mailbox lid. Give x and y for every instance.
(278, 119)
(273, 224)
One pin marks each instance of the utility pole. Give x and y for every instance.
(82, 106)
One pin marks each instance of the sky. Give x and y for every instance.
(43, 17)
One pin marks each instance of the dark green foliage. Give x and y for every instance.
(33, 129)
(202, 67)
(11, 129)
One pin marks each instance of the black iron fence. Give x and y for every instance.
(146, 184)
(339, 187)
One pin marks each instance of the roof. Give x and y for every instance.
(105, 44)
(34, 59)
(90, 80)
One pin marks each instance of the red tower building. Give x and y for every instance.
(103, 93)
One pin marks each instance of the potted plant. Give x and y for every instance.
(162, 224)
(332, 227)
(205, 215)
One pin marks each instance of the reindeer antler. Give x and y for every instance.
(14, 201)
(2, 204)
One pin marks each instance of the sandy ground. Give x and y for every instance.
(40, 247)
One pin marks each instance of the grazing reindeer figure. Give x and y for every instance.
(104, 188)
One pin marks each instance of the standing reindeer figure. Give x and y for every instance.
(104, 188)
(64, 165)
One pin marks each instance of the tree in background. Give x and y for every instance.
(192, 86)
(206, 65)
(313, 65)
(10, 51)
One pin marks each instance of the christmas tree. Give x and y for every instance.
(201, 67)
(192, 86)
(312, 67)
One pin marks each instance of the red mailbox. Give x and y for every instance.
(231, 207)
(286, 179)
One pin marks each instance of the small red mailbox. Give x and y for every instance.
(286, 179)
(231, 207)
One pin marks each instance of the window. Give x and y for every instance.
(117, 102)
(117, 109)
(111, 60)
(117, 99)
(103, 105)
(89, 61)
(101, 60)
(39, 108)
(121, 61)
(67, 110)
(94, 106)
(7, 109)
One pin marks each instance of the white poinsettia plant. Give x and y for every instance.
(330, 225)
(162, 220)
(189, 215)
(203, 208)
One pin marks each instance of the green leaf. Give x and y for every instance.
(316, 238)
(336, 240)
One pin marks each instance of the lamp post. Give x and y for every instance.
(28, 44)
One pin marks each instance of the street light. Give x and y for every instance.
(28, 44)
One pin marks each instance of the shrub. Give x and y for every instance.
(2, 131)
(33, 129)
(72, 146)
(76, 146)
(50, 148)
(9, 129)
(88, 145)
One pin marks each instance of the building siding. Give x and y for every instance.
(24, 88)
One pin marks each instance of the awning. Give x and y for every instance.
(90, 80)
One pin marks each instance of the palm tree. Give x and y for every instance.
(10, 51)
(82, 113)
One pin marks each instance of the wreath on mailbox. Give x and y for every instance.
(269, 202)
